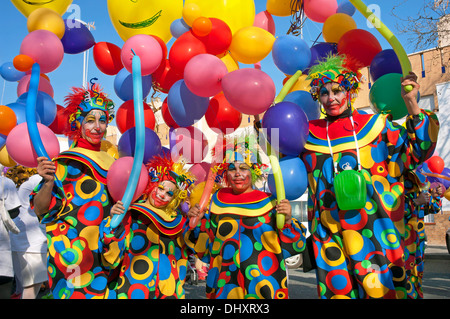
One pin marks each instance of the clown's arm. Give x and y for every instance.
(198, 239)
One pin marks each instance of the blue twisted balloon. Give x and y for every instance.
(140, 140)
(30, 115)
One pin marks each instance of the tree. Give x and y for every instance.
(429, 27)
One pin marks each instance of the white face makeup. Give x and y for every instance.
(94, 126)
(333, 98)
(239, 176)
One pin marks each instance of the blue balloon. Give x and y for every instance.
(10, 73)
(346, 7)
(295, 177)
(178, 27)
(127, 144)
(165, 152)
(305, 101)
(287, 128)
(2, 140)
(77, 37)
(45, 106)
(383, 63)
(20, 111)
(290, 54)
(185, 107)
(123, 85)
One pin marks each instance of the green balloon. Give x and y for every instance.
(385, 96)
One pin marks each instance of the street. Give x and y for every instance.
(436, 279)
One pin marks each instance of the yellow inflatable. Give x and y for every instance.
(5, 159)
(46, 19)
(28, 6)
(144, 17)
(336, 25)
(251, 44)
(280, 8)
(236, 13)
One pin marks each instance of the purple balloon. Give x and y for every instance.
(127, 144)
(383, 63)
(77, 37)
(446, 173)
(320, 51)
(287, 128)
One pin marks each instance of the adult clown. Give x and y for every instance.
(73, 213)
(146, 252)
(238, 234)
(355, 164)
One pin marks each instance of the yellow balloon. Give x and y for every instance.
(5, 159)
(26, 7)
(302, 84)
(230, 63)
(46, 19)
(280, 8)
(447, 194)
(109, 148)
(251, 44)
(191, 12)
(144, 17)
(336, 25)
(236, 14)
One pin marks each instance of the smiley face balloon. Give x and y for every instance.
(28, 6)
(152, 17)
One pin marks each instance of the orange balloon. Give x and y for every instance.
(8, 119)
(201, 26)
(23, 62)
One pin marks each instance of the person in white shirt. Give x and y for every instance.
(29, 247)
(9, 209)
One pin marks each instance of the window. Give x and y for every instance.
(300, 210)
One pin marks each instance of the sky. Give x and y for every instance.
(13, 26)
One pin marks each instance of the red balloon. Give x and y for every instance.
(125, 116)
(164, 77)
(166, 115)
(60, 122)
(221, 115)
(107, 58)
(219, 38)
(360, 45)
(162, 44)
(183, 49)
(435, 164)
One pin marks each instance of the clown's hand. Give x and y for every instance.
(194, 211)
(117, 209)
(284, 207)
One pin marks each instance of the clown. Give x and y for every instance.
(238, 235)
(146, 252)
(72, 198)
(356, 165)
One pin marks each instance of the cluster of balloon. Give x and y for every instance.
(49, 38)
(435, 170)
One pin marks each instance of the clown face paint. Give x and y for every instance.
(239, 176)
(333, 98)
(163, 194)
(94, 126)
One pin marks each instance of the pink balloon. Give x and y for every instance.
(190, 143)
(147, 48)
(264, 20)
(44, 85)
(45, 48)
(250, 91)
(203, 75)
(19, 147)
(200, 171)
(118, 175)
(320, 10)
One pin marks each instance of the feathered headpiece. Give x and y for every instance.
(80, 102)
(335, 68)
(165, 169)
